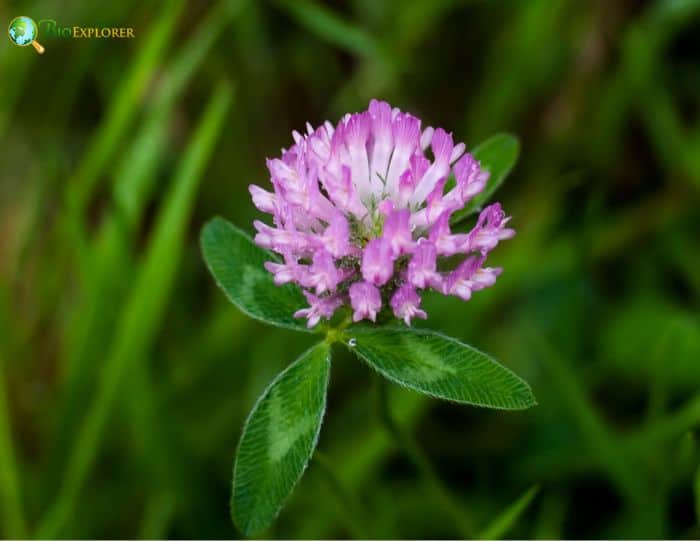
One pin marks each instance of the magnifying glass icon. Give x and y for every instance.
(23, 31)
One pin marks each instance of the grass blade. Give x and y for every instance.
(143, 309)
(330, 27)
(503, 523)
(10, 497)
(123, 107)
(133, 186)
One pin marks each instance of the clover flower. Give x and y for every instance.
(361, 214)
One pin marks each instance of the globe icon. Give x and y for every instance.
(23, 31)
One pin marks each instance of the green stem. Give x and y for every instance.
(335, 334)
(11, 509)
(345, 498)
(407, 444)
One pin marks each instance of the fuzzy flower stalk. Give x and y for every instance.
(361, 216)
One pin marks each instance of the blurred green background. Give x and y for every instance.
(126, 376)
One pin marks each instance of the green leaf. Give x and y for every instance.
(278, 439)
(502, 524)
(497, 155)
(236, 263)
(440, 366)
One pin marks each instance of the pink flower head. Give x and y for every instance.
(361, 212)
